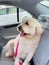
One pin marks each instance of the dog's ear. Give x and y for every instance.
(38, 30)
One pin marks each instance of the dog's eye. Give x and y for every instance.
(27, 23)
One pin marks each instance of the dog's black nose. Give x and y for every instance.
(19, 27)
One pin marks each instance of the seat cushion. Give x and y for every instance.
(6, 63)
(4, 60)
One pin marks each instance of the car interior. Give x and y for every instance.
(8, 28)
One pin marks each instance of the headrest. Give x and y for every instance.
(44, 20)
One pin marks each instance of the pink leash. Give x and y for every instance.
(16, 52)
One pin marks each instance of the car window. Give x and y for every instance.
(11, 14)
(7, 9)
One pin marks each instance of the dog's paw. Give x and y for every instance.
(26, 64)
(16, 63)
(8, 55)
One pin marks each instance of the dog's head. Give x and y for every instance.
(30, 27)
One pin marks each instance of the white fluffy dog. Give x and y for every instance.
(25, 44)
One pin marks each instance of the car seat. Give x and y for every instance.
(41, 56)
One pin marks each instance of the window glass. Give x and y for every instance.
(2, 11)
(23, 13)
(11, 15)
(12, 10)
(21, 10)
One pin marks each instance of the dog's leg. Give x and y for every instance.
(9, 47)
(17, 61)
(28, 58)
(30, 55)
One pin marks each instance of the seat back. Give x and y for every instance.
(41, 56)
